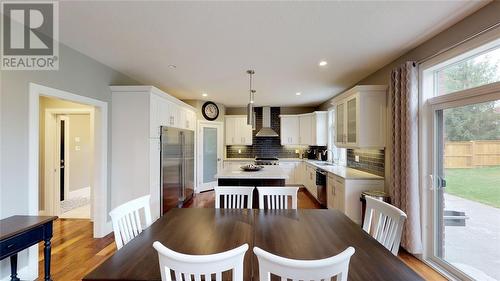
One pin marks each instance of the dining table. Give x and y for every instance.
(304, 234)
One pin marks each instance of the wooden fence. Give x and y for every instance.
(471, 154)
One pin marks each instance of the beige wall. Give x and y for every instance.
(80, 151)
(198, 105)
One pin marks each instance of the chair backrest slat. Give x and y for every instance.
(127, 222)
(234, 197)
(384, 222)
(193, 267)
(277, 197)
(324, 269)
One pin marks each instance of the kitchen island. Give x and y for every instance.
(268, 176)
(271, 175)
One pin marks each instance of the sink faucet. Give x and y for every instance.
(325, 152)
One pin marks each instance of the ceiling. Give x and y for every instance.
(212, 44)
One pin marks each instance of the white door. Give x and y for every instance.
(210, 153)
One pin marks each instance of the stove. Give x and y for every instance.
(267, 161)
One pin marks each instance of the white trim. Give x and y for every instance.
(99, 125)
(199, 148)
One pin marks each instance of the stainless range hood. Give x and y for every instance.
(266, 130)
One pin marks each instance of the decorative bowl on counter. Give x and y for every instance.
(251, 168)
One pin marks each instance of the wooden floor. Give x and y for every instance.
(75, 252)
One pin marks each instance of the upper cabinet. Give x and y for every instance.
(156, 107)
(304, 129)
(237, 130)
(361, 117)
(289, 130)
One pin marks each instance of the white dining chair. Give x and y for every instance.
(324, 269)
(384, 222)
(127, 222)
(277, 197)
(234, 197)
(194, 267)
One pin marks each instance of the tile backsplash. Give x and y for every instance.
(266, 146)
(370, 160)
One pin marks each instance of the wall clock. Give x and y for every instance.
(210, 111)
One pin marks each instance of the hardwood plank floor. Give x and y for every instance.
(75, 252)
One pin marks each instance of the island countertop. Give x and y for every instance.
(268, 172)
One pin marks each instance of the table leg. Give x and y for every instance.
(13, 268)
(46, 255)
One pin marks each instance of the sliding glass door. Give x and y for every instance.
(466, 189)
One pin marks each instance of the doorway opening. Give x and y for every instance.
(66, 149)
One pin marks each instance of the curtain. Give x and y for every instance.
(403, 93)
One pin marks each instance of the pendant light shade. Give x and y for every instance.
(250, 114)
(250, 111)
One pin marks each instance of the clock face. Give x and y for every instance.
(210, 111)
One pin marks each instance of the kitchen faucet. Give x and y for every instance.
(325, 152)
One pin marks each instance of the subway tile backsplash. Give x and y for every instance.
(370, 160)
(263, 147)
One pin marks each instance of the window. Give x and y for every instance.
(470, 69)
(339, 154)
(460, 141)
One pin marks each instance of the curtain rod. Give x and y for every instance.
(493, 26)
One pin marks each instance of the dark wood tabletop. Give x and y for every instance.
(299, 234)
(14, 225)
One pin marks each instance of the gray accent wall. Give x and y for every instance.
(78, 74)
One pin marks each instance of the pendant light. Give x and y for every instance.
(250, 111)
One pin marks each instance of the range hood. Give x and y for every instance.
(266, 130)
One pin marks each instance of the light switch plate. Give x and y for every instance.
(356, 158)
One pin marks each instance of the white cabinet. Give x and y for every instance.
(237, 130)
(292, 171)
(310, 180)
(361, 117)
(289, 130)
(343, 194)
(187, 119)
(305, 129)
(154, 176)
(137, 114)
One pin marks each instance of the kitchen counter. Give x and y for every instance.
(343, 171)
(268, 172)
(338, 170)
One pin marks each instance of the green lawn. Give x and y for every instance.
(477, 184)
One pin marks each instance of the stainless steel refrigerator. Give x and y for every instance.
(177, 167)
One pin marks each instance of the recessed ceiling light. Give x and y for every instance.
(204, 94)
(323, 63)
(298, 93)
(172, 66)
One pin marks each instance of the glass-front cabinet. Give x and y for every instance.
(339, 126)
(360, 117)
(352, 120)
